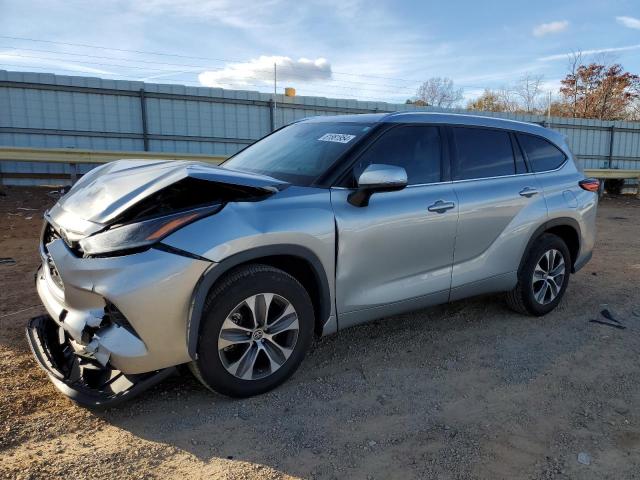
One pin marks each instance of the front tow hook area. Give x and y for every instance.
(83, 379)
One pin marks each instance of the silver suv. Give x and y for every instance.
(322, 225)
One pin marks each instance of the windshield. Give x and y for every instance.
(299, 153)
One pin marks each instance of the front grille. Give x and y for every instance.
(53, 273)
(49, 234)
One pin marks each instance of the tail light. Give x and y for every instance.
(590, 184)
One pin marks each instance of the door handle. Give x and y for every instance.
(528, 192)
(441, 206)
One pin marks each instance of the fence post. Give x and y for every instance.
(143, 115)
(74, 172)
(612, 131)
(272, 114)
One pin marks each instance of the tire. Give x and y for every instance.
(527, 297)
(233, 358)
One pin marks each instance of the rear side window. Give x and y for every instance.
(482, 153)
(415, 148)
(542, 155)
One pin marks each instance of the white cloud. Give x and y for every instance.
(261, 70)
(551, 27)
(564, 56)
(629, 22)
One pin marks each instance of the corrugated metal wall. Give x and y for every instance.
(53, 111)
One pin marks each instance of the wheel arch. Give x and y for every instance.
(567, 229)
(298, 261)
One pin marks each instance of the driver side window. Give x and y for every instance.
(416, 148)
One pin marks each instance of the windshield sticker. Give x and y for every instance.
(336, 137)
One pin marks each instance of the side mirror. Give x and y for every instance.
(377, 178)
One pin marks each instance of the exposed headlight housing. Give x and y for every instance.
(141, 234)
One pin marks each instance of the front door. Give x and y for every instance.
(396, 254)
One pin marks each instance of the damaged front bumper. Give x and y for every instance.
(82, 378)
(116, 325)
(130, 311)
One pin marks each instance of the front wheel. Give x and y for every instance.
(256, 329)
(543, 278)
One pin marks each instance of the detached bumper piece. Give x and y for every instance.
(82, 379)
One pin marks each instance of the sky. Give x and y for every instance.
(368, 50)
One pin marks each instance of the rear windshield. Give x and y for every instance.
(299, 153)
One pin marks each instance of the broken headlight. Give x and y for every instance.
(141, 234)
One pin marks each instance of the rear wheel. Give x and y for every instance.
(256, 329)
(543, 278)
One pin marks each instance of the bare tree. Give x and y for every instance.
(509, 99)
(500, 100)
(575, 60)
(634, 107)
(634, 111)
(439, 92)
(529, 90)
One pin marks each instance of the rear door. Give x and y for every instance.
(500, 205)
(396, 253)
(560, 185)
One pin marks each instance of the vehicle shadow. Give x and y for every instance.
(367, 399)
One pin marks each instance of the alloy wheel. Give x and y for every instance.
(548, 276)
(258, 336)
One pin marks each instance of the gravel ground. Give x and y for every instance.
(466, 390)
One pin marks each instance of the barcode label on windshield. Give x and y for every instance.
(336, 137)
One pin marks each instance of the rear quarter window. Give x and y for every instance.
(543, 155)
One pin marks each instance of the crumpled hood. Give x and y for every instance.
(108, 191)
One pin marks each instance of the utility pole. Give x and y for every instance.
(549, 109)
(275, 90)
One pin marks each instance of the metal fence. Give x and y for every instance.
(47, 111)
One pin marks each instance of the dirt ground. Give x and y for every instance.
(467, 390)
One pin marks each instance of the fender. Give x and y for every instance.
(217, 270)
(554, 222)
